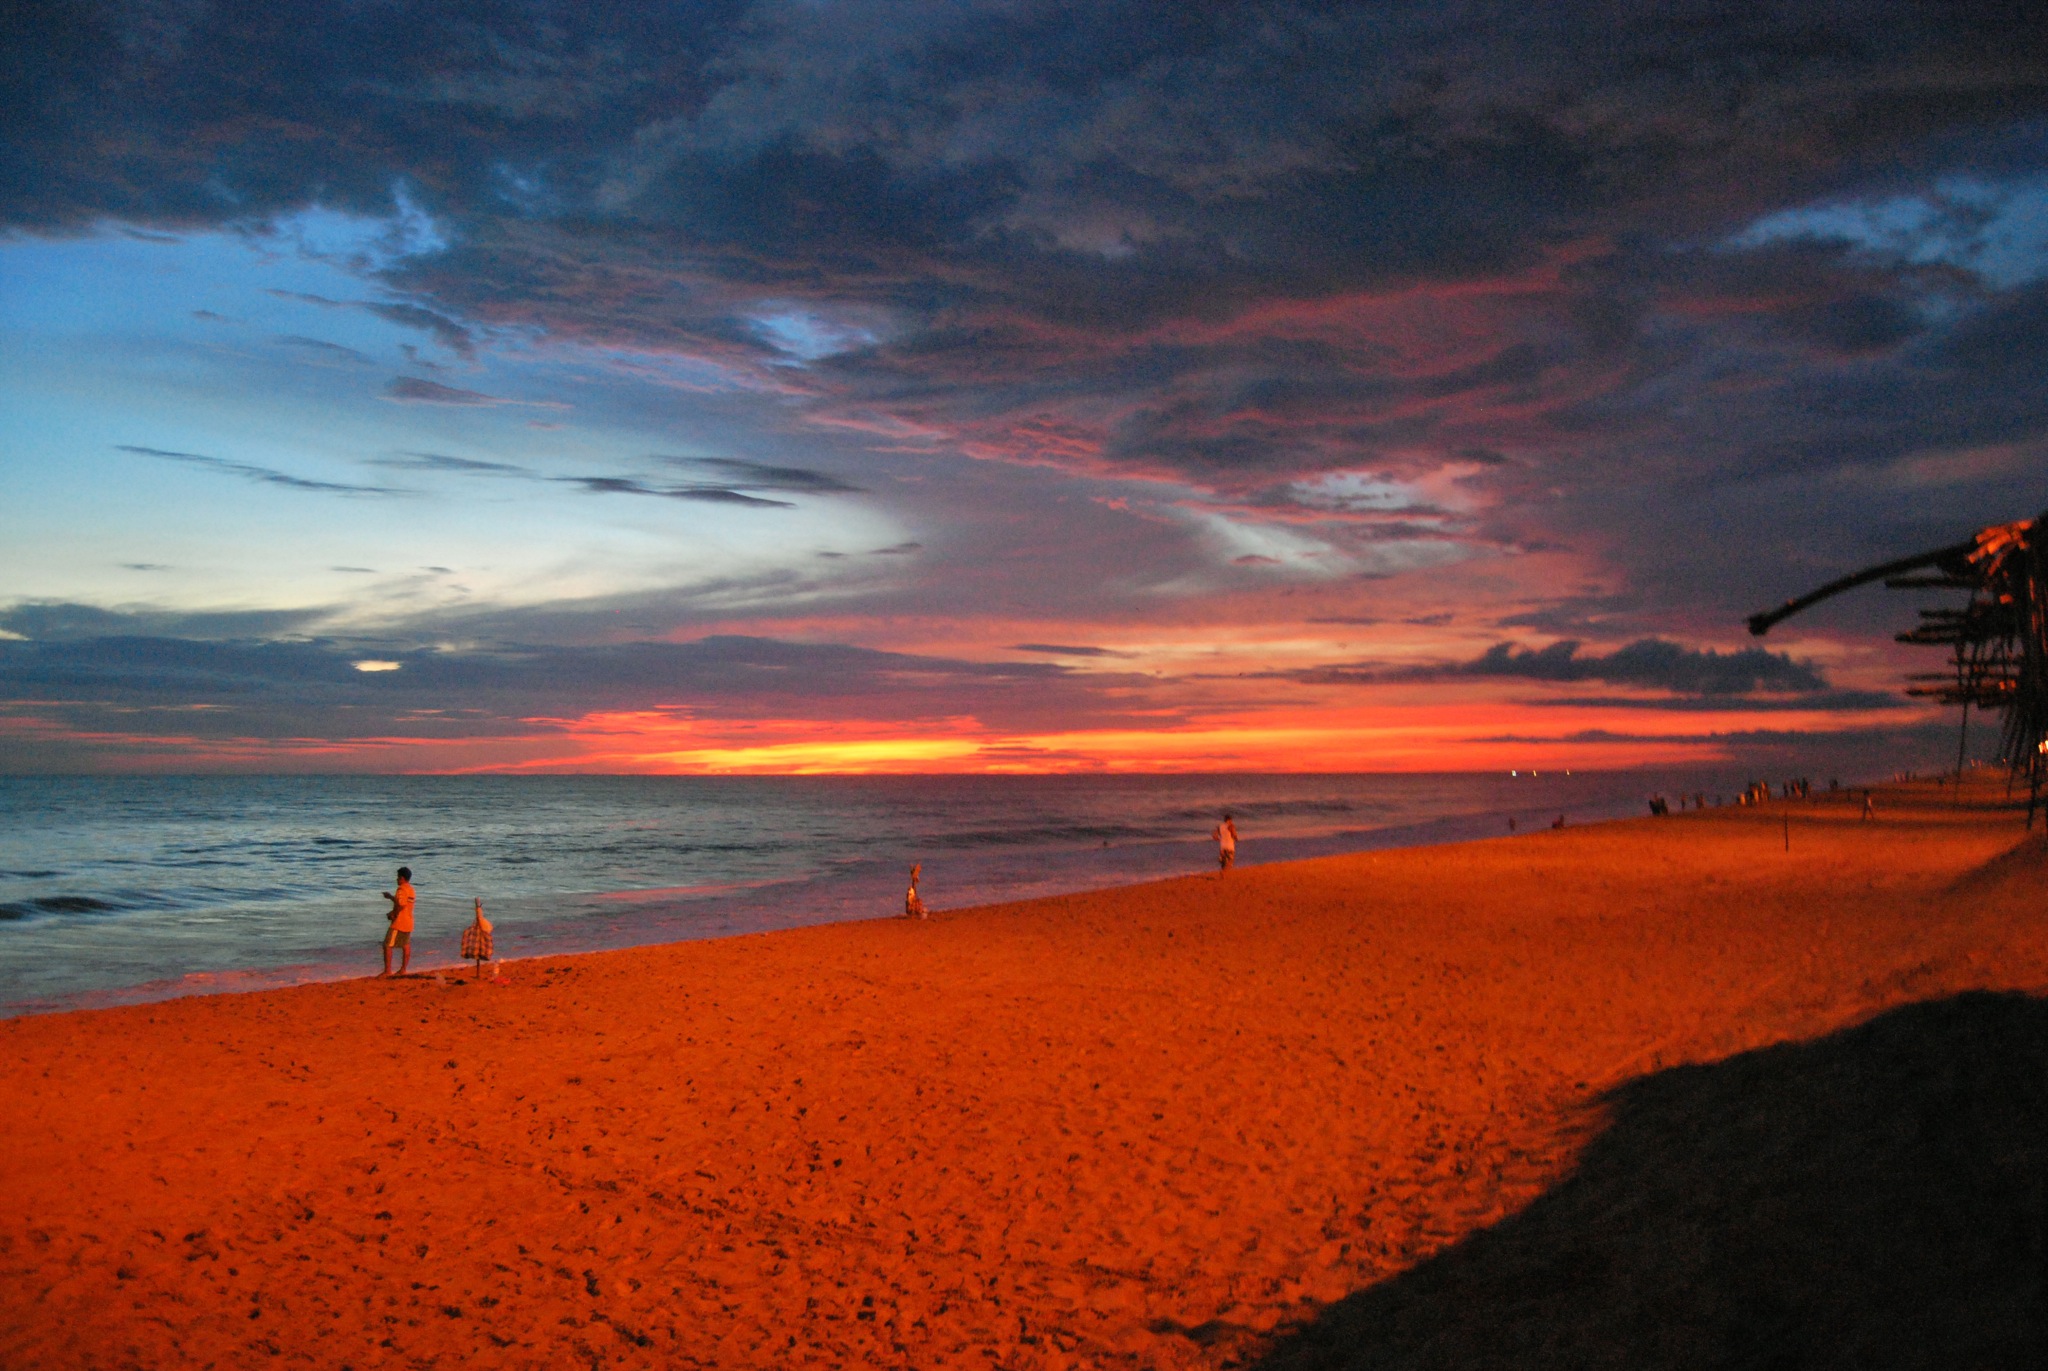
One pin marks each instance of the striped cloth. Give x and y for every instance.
(476, 944)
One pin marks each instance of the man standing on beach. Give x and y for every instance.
(1226, 843)
(399, 935)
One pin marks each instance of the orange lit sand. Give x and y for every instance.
(1141, 1127)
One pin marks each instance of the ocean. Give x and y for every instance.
(119, 889)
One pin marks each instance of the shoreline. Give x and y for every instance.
(618, 920)
(1152, 1125)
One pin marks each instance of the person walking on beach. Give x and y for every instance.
(399, 934)
(1226, 843)
(476, 941)
(913, 903)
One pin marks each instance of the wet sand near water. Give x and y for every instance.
(1162, 1126)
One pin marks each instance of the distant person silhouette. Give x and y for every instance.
(399, 935)
(913, 903)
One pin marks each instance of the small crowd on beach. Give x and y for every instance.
(477, 942)
(1224, 835)
(1755, 793)
(1798, 788)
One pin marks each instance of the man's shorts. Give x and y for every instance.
(398, 937)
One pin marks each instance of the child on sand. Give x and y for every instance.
(476, 941)
(913, 903)
(399, 935)
(1226, 843)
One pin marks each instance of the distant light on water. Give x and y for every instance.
(372, 664)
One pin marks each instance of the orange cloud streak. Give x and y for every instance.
(1402, 730)
(1458, 737)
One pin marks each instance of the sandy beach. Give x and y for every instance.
(1647, 1088)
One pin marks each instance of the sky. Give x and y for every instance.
(952, 386)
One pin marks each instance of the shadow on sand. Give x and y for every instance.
(1872, 1199)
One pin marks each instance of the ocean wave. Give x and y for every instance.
(1030, 835)
(131, 901)
(14, 911)
(1269, 809)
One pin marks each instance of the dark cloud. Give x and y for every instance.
(63, 622)
(1747, 675)
(446, 331)
(263, 475)
(436, 461)
(1855, 325)
(304, 298)
(1653, 663)
(1064, 650)
(456, 337)
(187, 114)
(1085, 165)
(1576, 614)
(728, 667)
(1830, 701)
(625, 485)
(745, 475)
(1375, 152)
(413, 390)
(1228, 245)
(240, 684)
(332, 351)
(748, 478)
